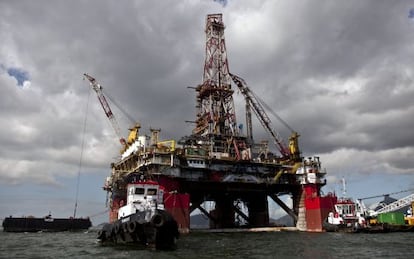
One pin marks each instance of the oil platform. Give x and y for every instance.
(217, 163)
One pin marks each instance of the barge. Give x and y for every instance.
(45, 224)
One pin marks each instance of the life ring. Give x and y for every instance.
(157, 220)
(131, 226)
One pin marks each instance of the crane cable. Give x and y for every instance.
(387, 194)
(261, 102)
(273, 113)
(129, 116)
(81, 154)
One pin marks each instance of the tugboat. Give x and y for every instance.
(142, 220)
(347, 215)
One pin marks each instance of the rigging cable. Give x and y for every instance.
(273, 113)
(81, 154)
(387, 194)
(129, 116)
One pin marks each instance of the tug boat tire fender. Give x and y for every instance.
(122, 230)
(125, 227)
(158, 220)
(102, 235)
(117, 228)
(105, 233)
(131, 226)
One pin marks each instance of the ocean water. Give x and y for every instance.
(215, 245)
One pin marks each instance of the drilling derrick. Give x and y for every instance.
(216, 119)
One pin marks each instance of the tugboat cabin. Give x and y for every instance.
(142, 196)
(345, 208)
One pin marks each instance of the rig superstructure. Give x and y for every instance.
(217, 163)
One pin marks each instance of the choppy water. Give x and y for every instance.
(215, 245)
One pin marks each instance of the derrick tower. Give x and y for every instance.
(216, 119)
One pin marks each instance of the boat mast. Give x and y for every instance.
(343, 187)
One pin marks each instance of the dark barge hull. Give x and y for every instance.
(386, 228)
(160, 233)
(45, 224)
(378, 228)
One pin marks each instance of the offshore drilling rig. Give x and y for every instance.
(217, 163)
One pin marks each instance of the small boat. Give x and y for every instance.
(45, 224)
(347, 217)
(350, 216)
(143, 219)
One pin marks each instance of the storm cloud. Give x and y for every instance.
(339, 72)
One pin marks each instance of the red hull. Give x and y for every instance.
(178, 205)
(317, 207)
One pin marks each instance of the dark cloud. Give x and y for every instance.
(339, 73)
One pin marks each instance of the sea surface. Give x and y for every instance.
(215, 245)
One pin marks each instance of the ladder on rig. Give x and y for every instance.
(401, 203)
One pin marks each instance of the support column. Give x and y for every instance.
(223, 212)
(299, 205)
(258, 210)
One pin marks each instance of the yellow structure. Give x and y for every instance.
(133, 134)
(409, 219)
(294, 146)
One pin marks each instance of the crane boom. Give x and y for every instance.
(401, 203)
(107, 109)
(387, 194)
(261, 114)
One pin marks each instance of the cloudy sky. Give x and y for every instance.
(339, 72)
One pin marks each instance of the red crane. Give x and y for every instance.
(108, 112)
